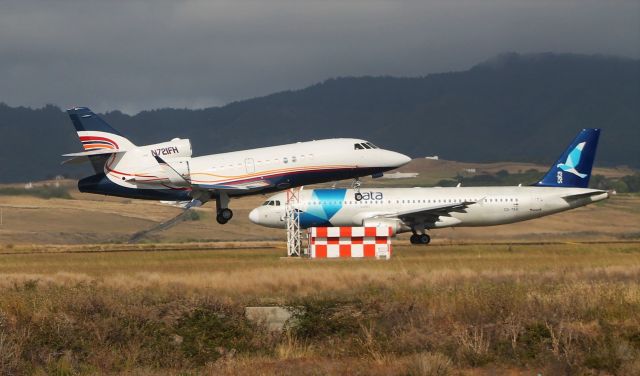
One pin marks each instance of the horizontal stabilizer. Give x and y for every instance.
(83, 156)
(583, 195)
(93, 152)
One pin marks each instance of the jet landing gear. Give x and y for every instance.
(224, 214)
(420, 239)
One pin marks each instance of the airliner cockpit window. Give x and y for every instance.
(277, 202)
(266, 203)
(358, 146)
(367, 146)
(372, 145)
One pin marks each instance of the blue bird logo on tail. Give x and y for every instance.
(573, 160)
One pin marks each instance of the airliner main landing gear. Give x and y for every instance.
(224, 214)
(356, 185)
(420, 238)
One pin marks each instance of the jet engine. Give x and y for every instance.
(395, 224)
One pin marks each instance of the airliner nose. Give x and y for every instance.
(254, 216)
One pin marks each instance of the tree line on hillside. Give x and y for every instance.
(624, 184)
(510, 108)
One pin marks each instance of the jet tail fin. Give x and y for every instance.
(573, 168)
(95, 133)
(99, 139)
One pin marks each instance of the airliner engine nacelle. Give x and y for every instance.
(395, 224)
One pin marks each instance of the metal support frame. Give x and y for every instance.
(292, 218)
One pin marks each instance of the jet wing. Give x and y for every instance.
(229, 188)
(428, 214)
(235, 187)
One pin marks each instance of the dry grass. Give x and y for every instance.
(563, 308)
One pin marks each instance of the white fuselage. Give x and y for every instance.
(490, 205)
(260, 170)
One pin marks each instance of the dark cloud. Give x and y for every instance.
(134, 55)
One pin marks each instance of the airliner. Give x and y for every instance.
(167, 171)
(562, 188)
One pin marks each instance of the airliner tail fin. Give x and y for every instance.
(573, 168)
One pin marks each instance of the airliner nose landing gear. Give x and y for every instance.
(420, 239)
(224, 214)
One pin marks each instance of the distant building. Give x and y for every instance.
(400, 175)
(470, 170)
(434, 157)
(29, 185)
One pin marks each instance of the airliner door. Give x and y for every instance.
(249, 165)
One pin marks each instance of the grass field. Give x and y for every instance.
(470, 309)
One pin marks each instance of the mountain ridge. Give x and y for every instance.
(510, 107)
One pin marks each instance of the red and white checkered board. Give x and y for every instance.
(347, 242)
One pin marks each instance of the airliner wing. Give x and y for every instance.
(430, 214)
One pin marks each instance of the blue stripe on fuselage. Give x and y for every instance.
(324, 204)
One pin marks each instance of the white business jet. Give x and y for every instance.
(168, 172)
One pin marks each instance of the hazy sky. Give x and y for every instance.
(143, 54)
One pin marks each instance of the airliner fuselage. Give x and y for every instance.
(403, 209)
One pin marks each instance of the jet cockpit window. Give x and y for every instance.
(266, 203)
(372, 145)
(367, 146)
(277, 202)
(358, 146)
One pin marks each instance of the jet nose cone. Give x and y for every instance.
(254, 216)
(398, 159)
